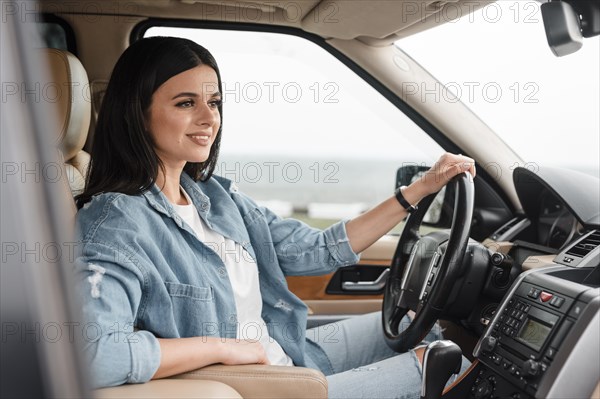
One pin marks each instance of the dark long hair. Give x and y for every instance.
(123, 155)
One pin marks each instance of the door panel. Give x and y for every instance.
(326, 307)
(315, 287)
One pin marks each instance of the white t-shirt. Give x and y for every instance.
(243, 275)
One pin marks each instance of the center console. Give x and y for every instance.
(527, 347)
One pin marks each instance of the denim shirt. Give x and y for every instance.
(142, 274)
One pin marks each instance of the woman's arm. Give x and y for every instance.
(118, 354)
(367, 228)
(178, 355)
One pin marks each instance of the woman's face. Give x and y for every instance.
(183, 118)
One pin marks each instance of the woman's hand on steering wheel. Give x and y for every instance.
(447, 166)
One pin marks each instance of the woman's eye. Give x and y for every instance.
(185, 104)
(215, 103)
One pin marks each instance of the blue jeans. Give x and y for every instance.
(362, 363)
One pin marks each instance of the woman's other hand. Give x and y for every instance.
(236, 351)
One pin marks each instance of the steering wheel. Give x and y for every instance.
(425, 268)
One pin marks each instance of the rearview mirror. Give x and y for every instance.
(563, 28)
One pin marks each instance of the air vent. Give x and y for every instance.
(506, 227)
(510, 229)
(585, 246)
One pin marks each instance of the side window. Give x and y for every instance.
(52, 32)
(302, 133)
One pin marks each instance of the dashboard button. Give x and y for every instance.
(531, 368)
(557, 301)
(577, 309)
(550, 353)
(545, 296)
(488, 344)
(483, 390)
(517, 373)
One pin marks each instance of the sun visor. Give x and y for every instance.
(380, 19)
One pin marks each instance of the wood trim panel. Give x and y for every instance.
(347, 307)
(539, 262)
(313, 287)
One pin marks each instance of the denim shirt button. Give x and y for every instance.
(177, 219)
(204, 206)
(232, 318)
(222, 272)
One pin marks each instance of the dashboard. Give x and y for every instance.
(541, 339)
(559, 207)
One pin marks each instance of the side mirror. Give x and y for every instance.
(436, 214)
(563, 28)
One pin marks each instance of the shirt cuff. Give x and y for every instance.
(338, 244)
(145, 357)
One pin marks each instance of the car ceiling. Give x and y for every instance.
(374, 21)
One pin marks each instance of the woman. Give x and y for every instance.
(178, 270)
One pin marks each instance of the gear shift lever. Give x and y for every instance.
(441, 360)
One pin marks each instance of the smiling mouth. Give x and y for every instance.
(201, 139)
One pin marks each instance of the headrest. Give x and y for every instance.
(69, 88)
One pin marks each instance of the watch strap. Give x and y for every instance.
(405, 204)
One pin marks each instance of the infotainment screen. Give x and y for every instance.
(534, 334)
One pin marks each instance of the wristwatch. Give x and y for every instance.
(405, 204)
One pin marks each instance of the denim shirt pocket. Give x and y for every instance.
(195, 303)
(191, 292)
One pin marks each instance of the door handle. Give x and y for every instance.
(376, 285)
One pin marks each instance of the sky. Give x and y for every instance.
(548, 109)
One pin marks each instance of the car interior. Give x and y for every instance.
(510, 267)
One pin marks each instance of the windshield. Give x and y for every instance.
(497, 61)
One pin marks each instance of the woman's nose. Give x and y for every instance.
(207, 115)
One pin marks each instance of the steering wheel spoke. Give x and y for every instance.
(424, 269)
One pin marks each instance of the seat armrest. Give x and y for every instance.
(162, 389)
(260, 381)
